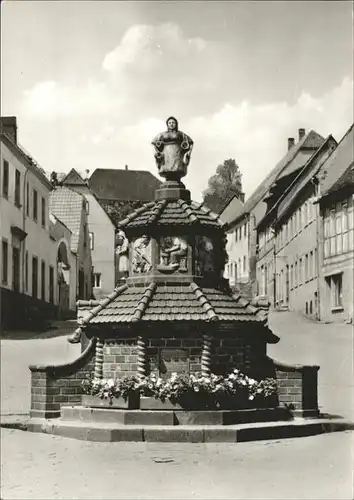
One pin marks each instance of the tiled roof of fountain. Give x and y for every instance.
(171, 213)
(163, 303)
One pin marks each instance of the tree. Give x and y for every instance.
(223, 185)
(54, 179)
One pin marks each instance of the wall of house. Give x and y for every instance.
(237, 248)
(37, 243)
(102, 240)
(84, 262)
(61, 236)
(296, 259)
(337, 260)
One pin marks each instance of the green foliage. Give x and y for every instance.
(223, 185)
(119, 209)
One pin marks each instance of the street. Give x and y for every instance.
(39, 466)
(46, 466)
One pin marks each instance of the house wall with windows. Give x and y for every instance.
(237, 247)
(295, 264)
(27, 253)
(337, 270)
(101, 237)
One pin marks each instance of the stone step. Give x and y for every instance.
(171, 417)
(109, 432)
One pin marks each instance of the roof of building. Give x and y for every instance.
(116, 184)
(337, 171)
(19, 150)
(171, 213)
(167, 303)
(295, 158)
(67, 206)
(234, 206)
(301, 180)
(73, 178)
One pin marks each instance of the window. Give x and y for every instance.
(85, 235)
(91, 238)
(97, 280)
(34, 277)
(51, 284)
(335, 283)
(307, 267)
(245, 230)
(27, 199)
(244, 264)
(300, 271)
(17, 188)
(26, 271)
(311, 266)
(43, 212)
(42, 280)
(35, 205)
(5, 179)
(291, 277)
(315, 262)
(5, 258)
(236, 234)
(296, 281)
(16, 269)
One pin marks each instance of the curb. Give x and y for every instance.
(195, 434)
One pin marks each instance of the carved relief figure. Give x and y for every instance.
(141, 262)
(121, 254)
(204, 255)
(173, 150)
(173, 254)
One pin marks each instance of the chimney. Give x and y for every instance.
(241, 197)
(301, 133)
(126, 167)
(9, 127)
(291, 142)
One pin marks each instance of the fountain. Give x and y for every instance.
(174, 318)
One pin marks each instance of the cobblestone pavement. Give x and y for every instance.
(39, 466)
(331, 346)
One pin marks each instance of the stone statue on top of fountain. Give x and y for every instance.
(173, 150)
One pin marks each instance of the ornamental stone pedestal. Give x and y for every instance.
(175, 313)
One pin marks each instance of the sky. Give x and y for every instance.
(91, 83)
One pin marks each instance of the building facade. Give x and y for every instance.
(101, 236)
(258, 245)
(336, 235)
(28, 271)
(71, 209)
(287, 263)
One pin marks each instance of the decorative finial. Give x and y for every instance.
(173, 150)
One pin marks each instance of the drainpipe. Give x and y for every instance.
(319, 249)
(24, 230)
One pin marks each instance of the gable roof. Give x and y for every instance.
(116, 184)
(300, 181)
(337, 170)
(67, 206)
(73, 178)
(304, 148)
(231, 210)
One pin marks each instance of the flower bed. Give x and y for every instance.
(194, 391)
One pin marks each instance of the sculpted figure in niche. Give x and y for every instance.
(121, 255)
(173, 150)
(173, 253)
(204, 255)
(141, 262)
